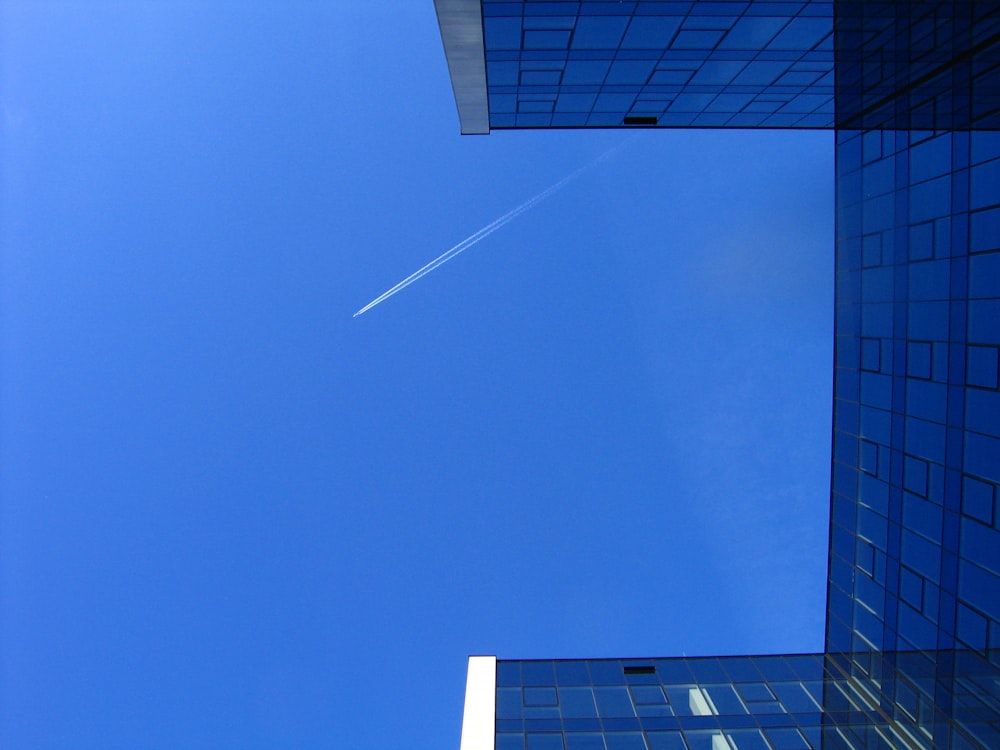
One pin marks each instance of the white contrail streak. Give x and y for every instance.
(486, 231)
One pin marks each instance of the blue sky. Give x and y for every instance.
(233, 515)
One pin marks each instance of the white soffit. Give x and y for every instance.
(461, 25)
(479, 718)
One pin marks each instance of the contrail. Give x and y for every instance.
(486, 231)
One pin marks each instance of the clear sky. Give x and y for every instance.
(235, 516)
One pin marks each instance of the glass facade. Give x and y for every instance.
(667, 64)
(913, 617)
(793, 702)
(917, 65)
(915, 545)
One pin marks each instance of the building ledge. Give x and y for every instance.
(461, 25)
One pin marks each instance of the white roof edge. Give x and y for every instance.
(479, 717)
(461, 25)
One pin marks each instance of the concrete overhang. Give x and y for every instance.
(461, 25)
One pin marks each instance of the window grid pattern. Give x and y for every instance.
(917, 65)
(915, 540)
(667, 64)
(793, 702)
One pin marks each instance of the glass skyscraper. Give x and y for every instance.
(790, 702)
(912, 90)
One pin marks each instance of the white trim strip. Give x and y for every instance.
(479, 718)
(461, 25)
(700, 702)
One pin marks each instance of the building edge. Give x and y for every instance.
(479, 716)
(461, 25)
